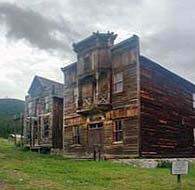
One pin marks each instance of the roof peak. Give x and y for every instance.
(94, 40)
(46, 79)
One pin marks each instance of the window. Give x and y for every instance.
(35, 129)
(46, 127)
(37, 106)
(95, 125)
(87, 64)
(193, 100)
(30, 108)
(76, 135)
(118, 82)
(118, 132)
(46, 104)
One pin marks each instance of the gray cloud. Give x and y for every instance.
(166, 29)
(33, 27)
(173, 44)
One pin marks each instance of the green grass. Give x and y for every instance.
(20, 170)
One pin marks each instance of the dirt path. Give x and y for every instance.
(4, 186)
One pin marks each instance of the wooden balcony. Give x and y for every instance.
(89, 104)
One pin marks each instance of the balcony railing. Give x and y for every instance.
(89, 103)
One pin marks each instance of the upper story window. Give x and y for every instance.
(118, 82)
(46, 127)
(87, 64)
(30, 108)
(193, 100)
(46, 104)
(118, 131)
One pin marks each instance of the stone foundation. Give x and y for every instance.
(150, 163)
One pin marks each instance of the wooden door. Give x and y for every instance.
(95, 135)
(35, 134)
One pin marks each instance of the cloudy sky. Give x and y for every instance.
(36, 36)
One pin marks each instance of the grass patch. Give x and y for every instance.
(22, 170)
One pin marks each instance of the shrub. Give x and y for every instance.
(164, 164)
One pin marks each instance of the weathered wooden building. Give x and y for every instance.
(125, 105)
(43, 123)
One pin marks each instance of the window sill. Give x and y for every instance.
(75, 145)
(118, 142)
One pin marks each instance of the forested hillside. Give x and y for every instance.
(9, 108)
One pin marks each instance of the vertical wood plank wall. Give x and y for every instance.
(57, 127)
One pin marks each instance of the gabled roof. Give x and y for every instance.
(44, 83)
(68, 67)
(92, 40)
(130, 42)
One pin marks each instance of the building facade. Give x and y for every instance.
(124, 105)
(43, 123)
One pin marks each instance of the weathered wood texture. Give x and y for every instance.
(57, 123)
(70, 81)
(98, 107)
(167, 114)
(125, 60)
(43, 112)
(125, 104)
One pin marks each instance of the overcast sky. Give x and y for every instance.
(36, 36)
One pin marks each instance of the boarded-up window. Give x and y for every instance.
(76, 135)
(194, 100)
(118, 82)
(118, 131)
(46, 127)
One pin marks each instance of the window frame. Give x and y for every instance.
(98, 125)
(117, 130)
(87, 65)
(118, 82)
(46, 123)
(29, 107)
(46, 104)
(76, 135)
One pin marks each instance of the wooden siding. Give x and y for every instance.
(167, 114)
(57, 127)
(70, 81)
(123, 62)
(96, 101)
(43, 113)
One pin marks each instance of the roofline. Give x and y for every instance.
(68, 66)
(167, 70)
(49, 80)
(95, 35)
(36, 77)
(127, 41)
